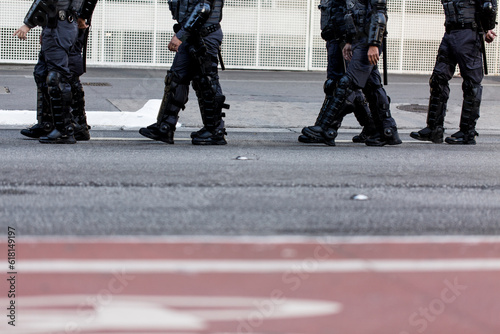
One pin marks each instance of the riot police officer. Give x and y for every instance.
(467, 23)
(45, 123)
(197, 41)
(333, 32)
(365, 22)
(59, 33)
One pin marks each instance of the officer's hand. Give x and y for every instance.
(490, 36)
(82, 24)
(347, 51)
(373, 55)
(22, 32)
(174, 44)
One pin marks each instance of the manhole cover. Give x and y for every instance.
(413, 108)
(4, 90)
(100, 84)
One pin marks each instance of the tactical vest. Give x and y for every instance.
(459, 12)
(358, 9)
(182, 9)
(324, 6)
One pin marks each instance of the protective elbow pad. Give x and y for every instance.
(377, 29)
(489, 15)
(198, 18)
(40, 13)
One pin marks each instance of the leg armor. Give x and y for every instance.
(440, 91)
(45, 121)
(330, 119)
(78, 110)
(328, 88)
(470, 108)
(211, 102)
(340, 106)
(364, 117)
(470, 114)
(174, 99)
(60, 100)
(385, 125)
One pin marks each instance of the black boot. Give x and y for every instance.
(60, 99)
(163, 132)
(470, 114)
(213, 137)
(44, 116)
(198, 133)
(318, 135)
(310, 140)
(434, 135)
(389, 137)
(36, 131)
(461, 138)
(59, 137)
(434, 131)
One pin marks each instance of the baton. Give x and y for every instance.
(483, 46)
(384, 51)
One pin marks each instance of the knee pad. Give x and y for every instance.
(471, 89)
(329, 86)
(57, 87)
(437, 83)
(53, 80)
(172, 83)
(345, 86)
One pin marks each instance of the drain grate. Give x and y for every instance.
(413, 108)
(97, 84)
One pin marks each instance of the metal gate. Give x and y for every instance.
(258, 34)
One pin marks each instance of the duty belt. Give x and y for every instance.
(460, 26)
(64, 15)
(205, 31)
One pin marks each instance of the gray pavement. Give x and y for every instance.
(125, 98)
(120, 183)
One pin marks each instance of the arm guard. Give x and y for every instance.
(198, 17)
(87, 9)
(378, 22)
(40, 13)
(488, 14)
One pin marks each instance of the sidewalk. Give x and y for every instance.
(128, 99)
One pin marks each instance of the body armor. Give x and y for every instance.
(182, 9)
(460, 13)
(332, 19)
(368, 18)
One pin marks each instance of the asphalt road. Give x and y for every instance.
(122, 184)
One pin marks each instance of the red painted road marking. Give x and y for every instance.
(257, 285)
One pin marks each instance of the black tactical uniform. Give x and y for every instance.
(333, 32)
(365, 25)
(196, 61)
(59, 33)
(462, 44)
(45, 121)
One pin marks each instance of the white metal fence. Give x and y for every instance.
(258, 34)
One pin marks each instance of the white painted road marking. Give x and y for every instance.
(169, 314)
(256, 266)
